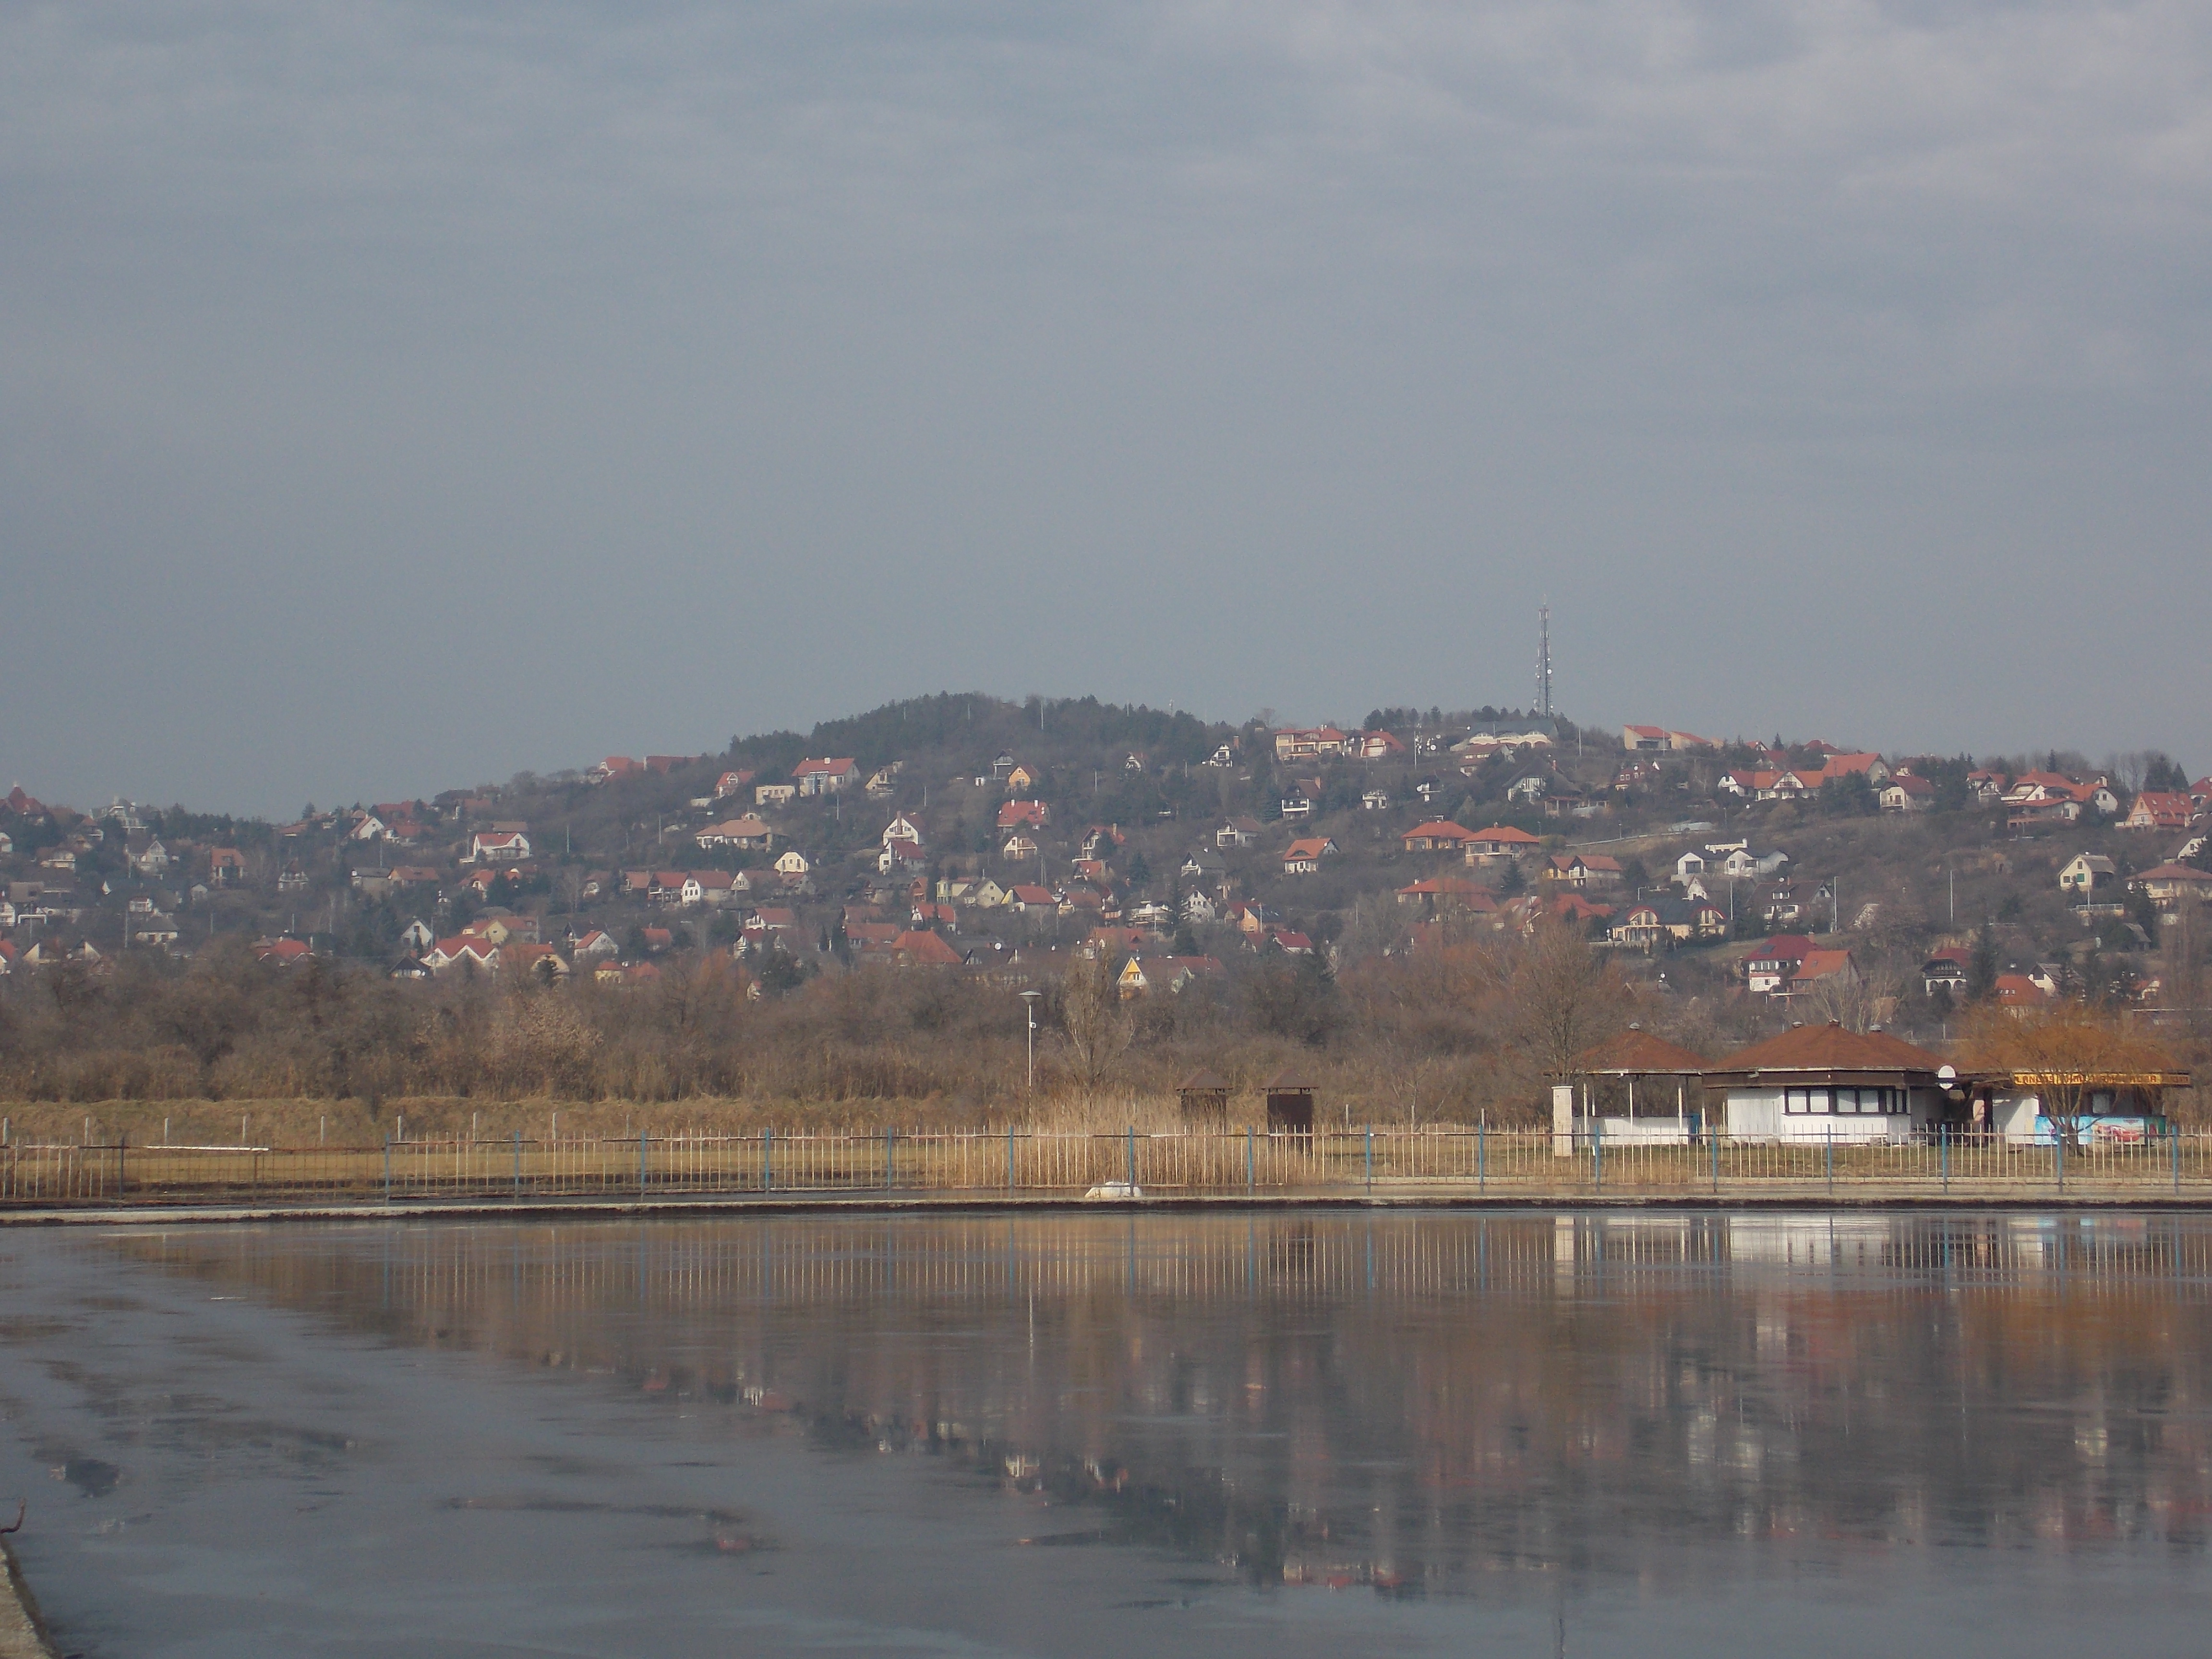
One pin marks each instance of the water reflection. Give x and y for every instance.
(1416, 1403)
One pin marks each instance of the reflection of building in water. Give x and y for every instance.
(1384, 1398)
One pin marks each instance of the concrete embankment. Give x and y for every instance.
(1393, 1196)
(22, 1633)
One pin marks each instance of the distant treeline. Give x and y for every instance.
(1461, 1031)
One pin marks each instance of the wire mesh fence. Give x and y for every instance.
(1430, 1162)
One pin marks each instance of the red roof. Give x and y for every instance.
(1504, 835)
(925, 950)
(1442, 830)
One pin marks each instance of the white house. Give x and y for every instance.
(1822, 1083)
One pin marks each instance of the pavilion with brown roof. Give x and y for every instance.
(1601, 1096)
(1824, 1083)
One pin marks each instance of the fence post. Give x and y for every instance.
(1010, 1158)
(1597, 1153)
(768, 1160)
(2058, 1144)
(1713, 1140)
(1132, 1160)
(387, 1166)
(1250, 1175)
(1482, 1155)
(640, 1164)
(887, 1164)
(1831, 1160)
(2174, 1155)
(1943, 1142)
(517, 1166)
(1370, 1157)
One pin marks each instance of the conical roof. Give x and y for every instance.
(1641, 1053)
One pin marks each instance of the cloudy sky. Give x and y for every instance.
(397, 395)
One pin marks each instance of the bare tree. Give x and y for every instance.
(1093, 1019)
(1565, 998)
(2066, 1053)
(1855, 1002)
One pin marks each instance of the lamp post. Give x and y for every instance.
(1030, 1000)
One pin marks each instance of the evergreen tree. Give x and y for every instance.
(1982, 967)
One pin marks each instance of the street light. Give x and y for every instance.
(1029, 999)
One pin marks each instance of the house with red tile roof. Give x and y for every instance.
(2168, 886)
(1499, 840)
(1306, 743)
(1303, 856)
(2160, 809)
(826, 776)
(746, 834)
(1448, 892)
(1905, 793)
(919, 948)
(1772, 962)
(1438, 835)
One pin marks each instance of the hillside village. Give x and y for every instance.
(966, 835)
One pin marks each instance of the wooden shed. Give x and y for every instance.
(1205, 1097)
(1290, 1105)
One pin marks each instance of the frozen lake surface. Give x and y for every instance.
(1095, 1434)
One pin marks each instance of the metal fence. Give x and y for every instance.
(1440, 1163)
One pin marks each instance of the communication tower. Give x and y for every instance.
(1544, 661)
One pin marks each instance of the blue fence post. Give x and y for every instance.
(1713, 1140)
(1131, 1164)
(387, 1167)
(1943, 1142)
(1010, 1158)
(890, 1157)
(1597, 1153)
(768, 1160)
(1370, 1157)
(2173, 1135)
(640, 1164)
(1482, 1155)
(1831, 1160)
(2058, 1144)
(1250, 1174)
(518, 1164)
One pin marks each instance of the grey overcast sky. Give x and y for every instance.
(395, 395)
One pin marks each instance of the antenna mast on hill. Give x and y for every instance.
(1544, 661)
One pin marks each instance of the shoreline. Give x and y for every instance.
(22, 1631)
(793, 1204)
